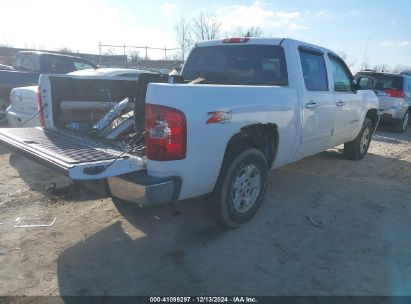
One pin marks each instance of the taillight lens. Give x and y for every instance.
(41, 117)
(166, 133)
(395, 93)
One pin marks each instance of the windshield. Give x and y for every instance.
(237, 65)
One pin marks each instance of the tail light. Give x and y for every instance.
(39, 107)
(166, 133)
(395, 93)
(236, 40)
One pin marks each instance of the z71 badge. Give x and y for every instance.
(220, 117)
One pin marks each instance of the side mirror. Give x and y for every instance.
(355, 87)
(365, 83)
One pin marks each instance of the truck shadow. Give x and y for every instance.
(317, 233)
(3, 151)
(39, 178)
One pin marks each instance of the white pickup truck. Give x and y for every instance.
(240, 107)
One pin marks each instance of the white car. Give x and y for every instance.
(241, 107)
(23, 108)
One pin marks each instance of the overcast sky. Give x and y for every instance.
(339, 25)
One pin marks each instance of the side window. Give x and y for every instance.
(314, 72)
(341, 77)
(82, 65)
(19, 61)
(31, 63)
(58, 65)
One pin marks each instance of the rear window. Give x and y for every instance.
(64, 65)
(385, 82)
(238, 65)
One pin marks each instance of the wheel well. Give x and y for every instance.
(373, 115)
(263, 137)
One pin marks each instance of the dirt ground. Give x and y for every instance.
(328, 226)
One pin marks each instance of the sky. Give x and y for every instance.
(378, 29)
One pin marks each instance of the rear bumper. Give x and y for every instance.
(392, 113)
(389, 119)
(143, 189)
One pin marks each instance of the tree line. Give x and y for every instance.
(206, 26)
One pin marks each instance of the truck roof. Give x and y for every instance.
(51, 54)
(264, 40)
(369, 72)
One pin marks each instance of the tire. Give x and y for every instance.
(356, 149)
(240, 188)
(402, 125)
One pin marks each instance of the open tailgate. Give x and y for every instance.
(79, 158)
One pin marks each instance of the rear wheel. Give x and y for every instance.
(402, 125)
(356, 149)
(240, 188)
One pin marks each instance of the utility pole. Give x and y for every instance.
(125, 56)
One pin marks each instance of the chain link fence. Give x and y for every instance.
(117, 56)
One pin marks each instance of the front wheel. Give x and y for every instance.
(240, 188)
(356, 149)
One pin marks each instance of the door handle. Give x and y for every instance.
(311, 105)
(340, 103)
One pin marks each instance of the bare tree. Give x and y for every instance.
(206, 26)
(254, 31)
(65, 50)
(382, 68)
(5, 44)
(401, 68)
(134, 56)
(184, 36)
(110, 51)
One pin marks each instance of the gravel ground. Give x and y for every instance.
(328, 226)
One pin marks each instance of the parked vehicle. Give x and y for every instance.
(23, 101)
(28, 66)
(243, 106)
(394, 94)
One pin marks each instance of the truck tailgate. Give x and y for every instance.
(79, 158)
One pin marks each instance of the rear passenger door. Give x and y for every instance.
(348, 104)
(318, 102)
